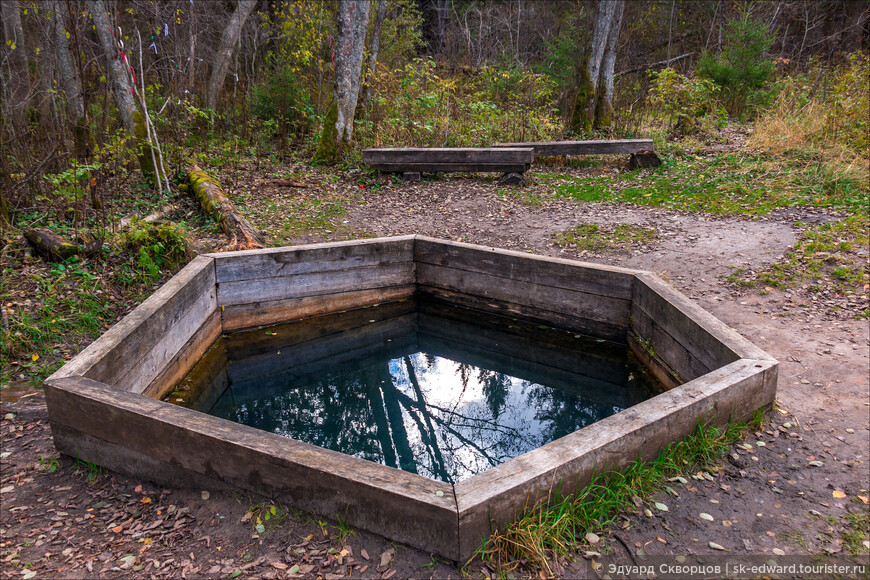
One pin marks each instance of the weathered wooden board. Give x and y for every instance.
(294, 260)
(136, 377)
(315, 284)
(502, 493)
(428, 155)
(708, 339)
(239, 316)
(580, 325)
(664, 347)
(123, 345)
(595, 147)
(406, 167)
(613, 311)
(366, 495)
(557, 272)
(664, 374)
(248, 343)
(186, 358)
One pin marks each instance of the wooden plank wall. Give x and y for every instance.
(595, 301)
(279, 284)
(678, 339)
(160, 341)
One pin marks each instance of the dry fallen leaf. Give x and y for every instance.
(839, 494)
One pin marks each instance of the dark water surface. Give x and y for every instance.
(438, 390)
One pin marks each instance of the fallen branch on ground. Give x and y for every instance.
(207, 190)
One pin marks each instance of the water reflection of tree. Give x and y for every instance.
(381, 413)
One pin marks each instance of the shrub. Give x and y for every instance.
(152, 248)
(741, 70)
(688, 103)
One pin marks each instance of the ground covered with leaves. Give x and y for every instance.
(763, 242)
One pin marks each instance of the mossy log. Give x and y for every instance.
(242, 235)
(57, 248)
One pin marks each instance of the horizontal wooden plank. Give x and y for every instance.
(654, 338)
(592, 328)
(374, 497)
(597, 307)
(710, 340)
(557, 272)
(131, 338)
(253, 342)
(500, 494)
(473, 155)
(293, 260)
(594, 147)
(186, 358)
(239, 316)
(137, 376)
(451, 167)
(315, 284)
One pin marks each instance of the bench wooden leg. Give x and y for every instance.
(644, 159)
(512, 178)
(411, 176)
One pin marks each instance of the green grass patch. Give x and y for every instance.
(593, 237)
(855, 532)
(831, 256)
(552, 529)
(750, 184)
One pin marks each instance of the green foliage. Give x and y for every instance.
(741, 70)
(561, 55)
(687, 102)
(595, 238)
(850, 114)
(400, 33)
(153, 248)
(71, 186)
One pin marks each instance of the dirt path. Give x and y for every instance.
(784, 495)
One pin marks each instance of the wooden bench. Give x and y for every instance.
(512, 161)
(641, 150)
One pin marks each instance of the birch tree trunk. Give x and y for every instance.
(583, 116)
(373, 58)
(353, 19)
(19, 78)
(224, 53)
(604, 104)
(69, 74)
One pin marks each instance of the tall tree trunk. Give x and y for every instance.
(69, 74)
(373, 58)
(587, 93)
(122, 89)
(353, 19)
(604, 104)
(19, 79)
(224, 54)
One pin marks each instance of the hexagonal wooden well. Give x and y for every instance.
(104, 405)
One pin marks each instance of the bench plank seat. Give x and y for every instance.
(410, 160)
(595, 147)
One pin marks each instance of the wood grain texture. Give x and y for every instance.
(428, 155)
(240, 316)
(412, 169)
(293, 260)
(607, 281)
(595, 147)
(708, 339)
(315, 284)
(585, 326)
(186, 358)
(664, 374)
(664, 347)
(387, 501)
(613, 311)
(130, 339)
(500, 494)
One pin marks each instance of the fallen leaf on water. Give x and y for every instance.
(715, 546)
(839, 494)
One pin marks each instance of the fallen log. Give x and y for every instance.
(242, 235)
(56, 248)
